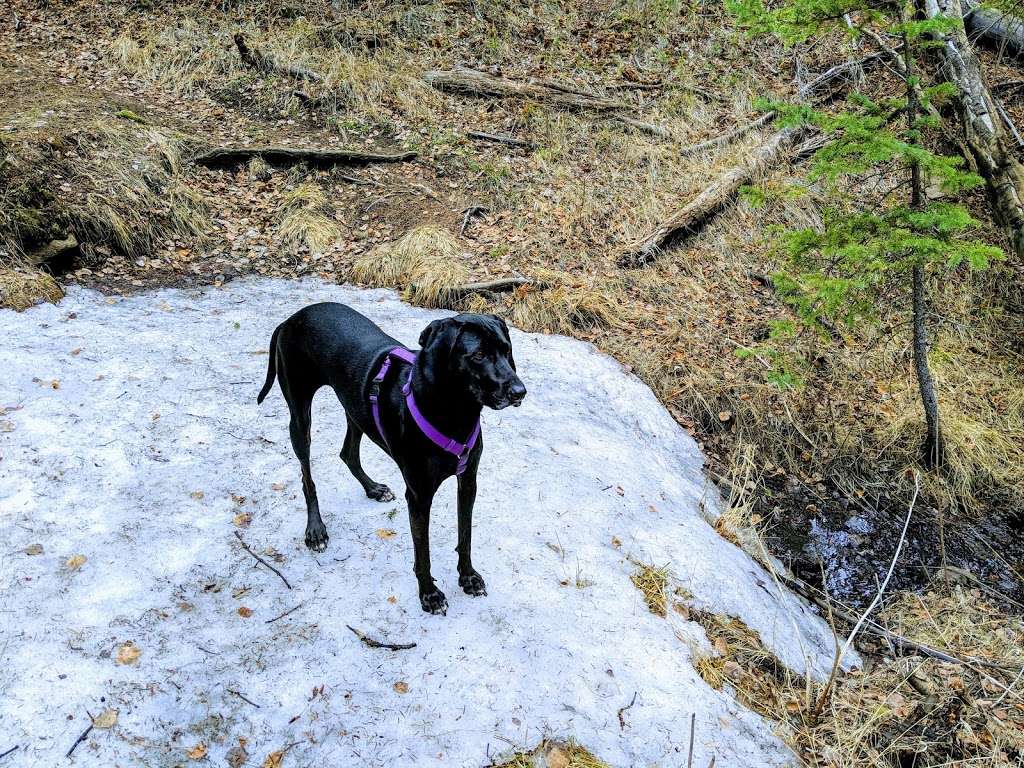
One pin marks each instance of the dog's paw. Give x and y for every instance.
(473, 584)
(380, 492)
(434, 602)
(317, 538)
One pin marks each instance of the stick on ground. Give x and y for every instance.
(622, 711)
(371, 643)
(286, 613)
(261, 560)
(82, 737)
(242, 697)
(500, 138)
(229, 157)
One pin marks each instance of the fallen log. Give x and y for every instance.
(724, 139)
(987, 136)
(476, 83)
(229, 157)
(490, 288)
(993, 27)
(691, 217)
(826, 79)
(256, 59)
(499, 138)
(639, 125)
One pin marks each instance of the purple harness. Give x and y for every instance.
(454, 447)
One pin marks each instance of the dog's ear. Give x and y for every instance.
(439, 338)
(508, 340)
(428, 333)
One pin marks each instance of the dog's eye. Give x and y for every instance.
(477, 356)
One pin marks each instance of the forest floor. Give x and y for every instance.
(104, 107)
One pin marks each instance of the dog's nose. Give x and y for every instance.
(516, 392)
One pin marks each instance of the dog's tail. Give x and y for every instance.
(271, 367)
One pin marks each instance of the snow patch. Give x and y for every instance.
(134, 439)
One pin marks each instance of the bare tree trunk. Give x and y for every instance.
(932, 449)
(986, 134)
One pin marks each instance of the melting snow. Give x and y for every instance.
(132, 437)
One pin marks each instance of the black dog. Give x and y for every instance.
(465, 363)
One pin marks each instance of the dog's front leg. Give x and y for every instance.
(472, 583)
(420, 498)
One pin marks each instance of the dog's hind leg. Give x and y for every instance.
(350, 455)
(300, 405)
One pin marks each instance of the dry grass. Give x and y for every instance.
(553, 754)
(426, 262)
(653, 583)
(307, 221)
(113, 183)
(896, 711)
(23, 288)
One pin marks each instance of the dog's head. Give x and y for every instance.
(473, 351)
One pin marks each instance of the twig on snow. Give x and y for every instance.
(5, 754)
(371, 643)
(261, 560)
(82, 737)
(242, 697)
(290, 610)
(689, 755)
(622, 711)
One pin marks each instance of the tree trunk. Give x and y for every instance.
(931, 454)
(985, 132)
(995, 28)
(933, 448)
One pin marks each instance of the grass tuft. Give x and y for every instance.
(426, 262)
(21, 289)
(307, 219)
(653, 583)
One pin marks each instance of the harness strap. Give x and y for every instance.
(461, 451)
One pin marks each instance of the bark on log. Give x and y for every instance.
(229, 157)
(691, 218)
(256, 59)
(986, 134)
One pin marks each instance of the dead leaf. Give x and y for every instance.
(198, 752)
(616, 542)
(6, 426)
(386, 533)
(34, 549)
(105, 719)
(278, 486)
(197, 495)
(244, 612)
(242, 519)
(732, 670)
(274, 759)
(401, 687)
(128, 653)
(557, 757)
(75, 562)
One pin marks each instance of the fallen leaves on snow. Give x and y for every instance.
(128, 653)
